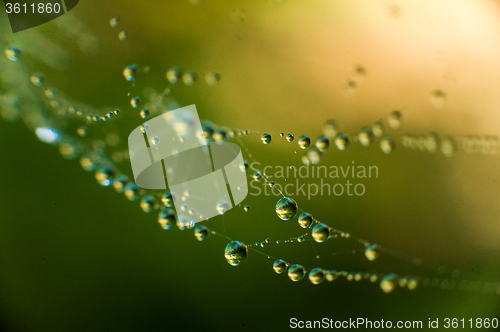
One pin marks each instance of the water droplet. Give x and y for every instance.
(105, 175)
(235, 253)
(320, 233)
(305, 220)
(119, 183)
(148, 203)
(341, 141)
(208, 129)
(330, 128)
(131, 191)
(289, 137)
(212, 78)
(201, 232)
(304, 141)
(279, 266)
(395, 120)
(144, 128)
(144, 113)
(155, 140)
(387, 144)
(257, 176)
(412, 283)
(12, 52)
(322, 143)
(331, 276)
(37, 79)
(183, 222)
(135, 102)
(266, 138)
(282, 134)
(438, 99)
(190, 78)
(222, 206)
(82, 131)
(448, 146)
(122, 35)
(114, 21)
(365, 136)
(378, 129)
(167, 218)
(388, 283)
(129, 72)
(372, 252)
(174, 74)
(47, 135)
(316, 276)
(286, 208)
(244, 166)
(219, 135)
(246, 208)
(314, 155)
(296, 272)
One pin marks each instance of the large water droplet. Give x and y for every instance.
(212, 78)
(322, 143)
(12, 52)
(174, 74)
(378, 129)
(395, 120)
(330, 128)
(286, 208)
(144, 113)
(120, 182)
(190, 78)
(201, 232)
(235, 253)
(341, 141)
(148, 203)
(37, 79)
(316, 276)
(296, 272)
(47, 135)
(289, 137)
(388, 283)
(321, 233)
(266, 138)
(387, 144)
(131, 191)
(167, 218)
(129, 72)
(183, 222)
(372, 252)
(105, 175)
(135, 102)
(222, 206)
(114, 21)
(279, 266)
(122, 35)
(304, 141)
(155, 140)
(305, 220)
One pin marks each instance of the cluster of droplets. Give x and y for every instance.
(356, 77)
(333, 136)
(189, 78)
(449, 145)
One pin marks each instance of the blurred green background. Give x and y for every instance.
(79, 257)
